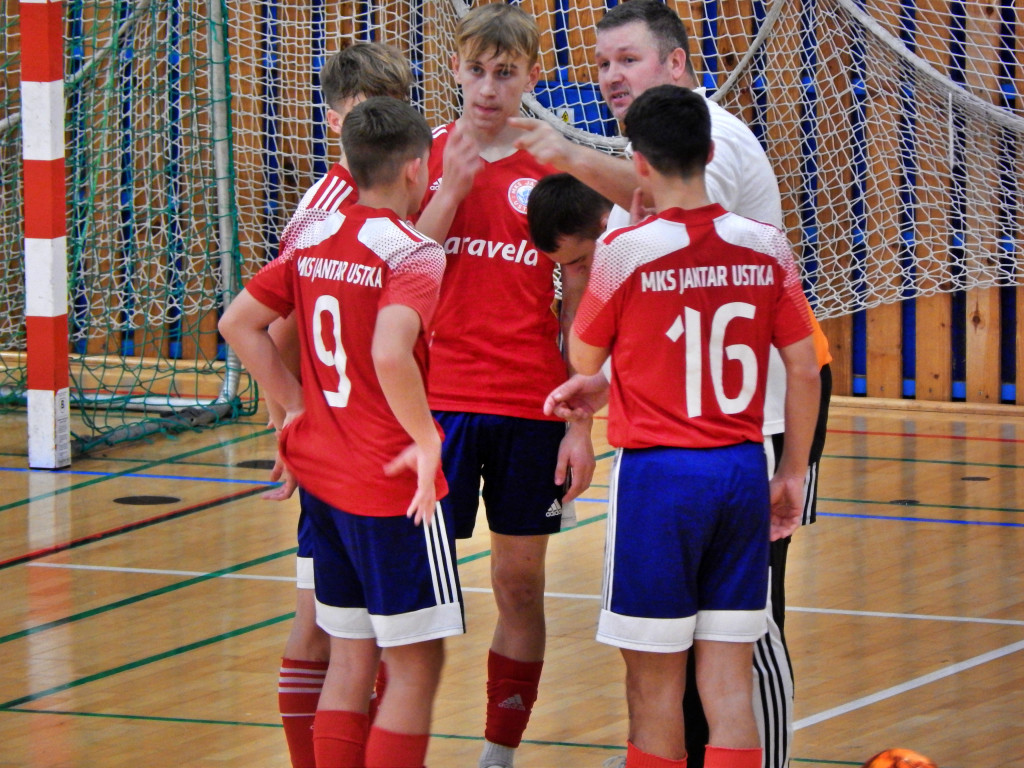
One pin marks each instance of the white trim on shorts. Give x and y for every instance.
(659, 635)
(431, 623)
(400, 629)
(304, 572)
(731, 626)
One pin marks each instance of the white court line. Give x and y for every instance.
(569, 595)
(921, 616)
(917, 682)
(805, 722)
(566, 595)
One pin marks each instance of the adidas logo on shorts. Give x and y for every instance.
(554, 510)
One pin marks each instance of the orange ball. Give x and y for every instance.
(899, 758)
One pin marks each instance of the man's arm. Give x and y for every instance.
(576, 461)
(803, 392)
(585, 359)
(612, 176)
(284, 332)
(244, 327)
(394, 337)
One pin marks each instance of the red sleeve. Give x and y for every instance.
(273, 286)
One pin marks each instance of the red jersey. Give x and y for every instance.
(689, 302)
(365, 259)
(494, 347)
(332, 192)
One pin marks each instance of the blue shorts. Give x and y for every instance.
(516, 459)
(383, 577)
(304, 557)
(686, 554)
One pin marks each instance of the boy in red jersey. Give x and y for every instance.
(688, 303)
(350, 76)
(363, 292)
(495, 356)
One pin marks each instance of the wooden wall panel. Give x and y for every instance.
(983, 309)
(884, 323)
(982, 333)
(839, 332)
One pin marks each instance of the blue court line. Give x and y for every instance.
(186, 478)
(964, 507)
(945, 462)
(944, 521)
(151, 464)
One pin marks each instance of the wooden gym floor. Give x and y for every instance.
(149, 634)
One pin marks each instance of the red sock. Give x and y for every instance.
(379, 686)
(387, 749)
(637, 758)
(511, 693)
(298, 691)
(724, 757)
(339, 739)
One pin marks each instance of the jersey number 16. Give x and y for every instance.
(689, 326)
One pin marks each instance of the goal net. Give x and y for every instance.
(895, 130)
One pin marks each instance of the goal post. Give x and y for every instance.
(45, 239)
(151, 255)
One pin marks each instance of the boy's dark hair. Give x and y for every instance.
(365, 69)
(663, 22)
(379, 136)
(561, 205)
(671, 127)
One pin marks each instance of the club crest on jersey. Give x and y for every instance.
(519, 192)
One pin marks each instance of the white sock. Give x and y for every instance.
(496, 754)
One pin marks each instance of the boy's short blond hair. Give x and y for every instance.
(365, 69)
(497, 27)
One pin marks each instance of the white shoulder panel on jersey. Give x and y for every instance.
(396, 241)
(755, 235)
(621, 253)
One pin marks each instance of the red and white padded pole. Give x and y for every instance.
(46, 274)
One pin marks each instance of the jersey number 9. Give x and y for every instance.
(335, 358)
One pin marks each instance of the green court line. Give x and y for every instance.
(199, 579)
(144, 662)
(144, 596)
(198, 644)
(16, 705)
(115, 475)
(205, 721)
(449, 736)
(150, 718)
